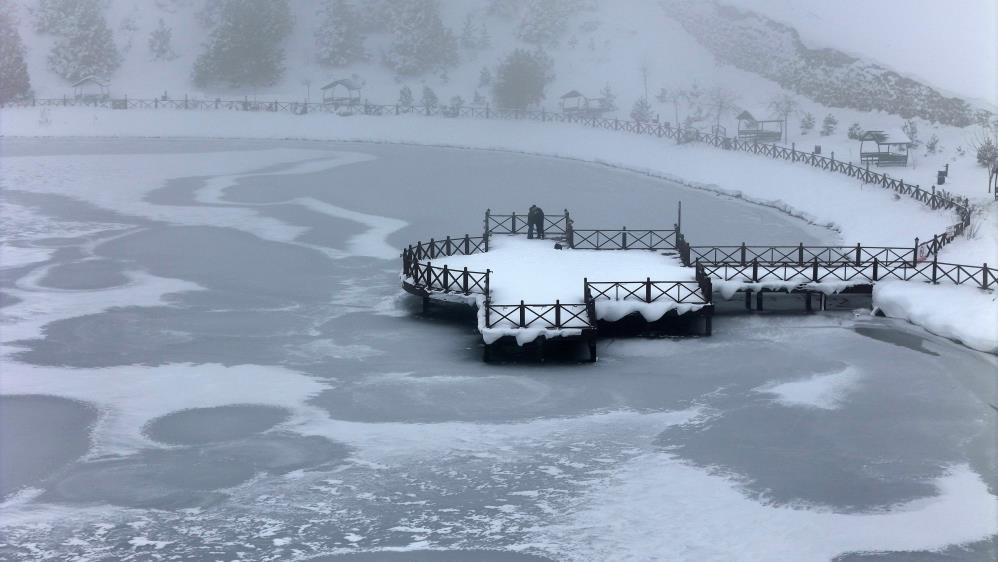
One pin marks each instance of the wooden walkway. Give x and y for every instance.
(750, 269)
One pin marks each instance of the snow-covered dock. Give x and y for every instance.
(569, 285)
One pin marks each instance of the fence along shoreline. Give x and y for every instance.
(933, 199)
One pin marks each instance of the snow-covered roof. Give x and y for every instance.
(349, 83)
(572, 94)
(887, 136)
(89, 79)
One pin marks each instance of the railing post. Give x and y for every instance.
(876, 267)
(647, 289)
(523, 315)
(429, 273)
(743, 253)
(557, 314)
(486, 237)
(755, 270)
(446, 284)
(800, 254)
(488, 275)
(934, 268)
(467, 242)
(488, 214)
(914, 255)
(448, 247)
(679, 218)
(858, 253)
(814, 271)
(984, 276)
(464, 278)
(624, 237)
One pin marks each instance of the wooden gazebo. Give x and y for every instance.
(891, 148)
(753, 130)
(574, 103)
(90, 88)
(345, 91)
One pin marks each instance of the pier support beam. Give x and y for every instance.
(758, 301)
(591, 341)
(807, 303)
(748, 300)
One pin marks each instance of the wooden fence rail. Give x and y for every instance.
(935, 272)
(557, 316)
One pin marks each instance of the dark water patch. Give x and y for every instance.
(228, 260)
(7, 299)
(433, 556)
(207, 425)
(40, 435)
(190, 476)
(899, 338)
(84, 275)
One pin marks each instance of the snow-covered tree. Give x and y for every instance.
(544, 21)
(429, 99)
(405, 97)
(608, 99)
(696, 101)
(455, 105)
(932, 145)
(14, 81)
(420, 41)
(85, 46)
(828, 125)
(673, 97)
(641, 111)
(338, 39)
(479, 99)
(806, 123)
(910, 128)
(784, 105)
(469, 33)
(721, 102)
(161, 42)
(855, 131)
(520, 79)
(485, 78)
(245, 48)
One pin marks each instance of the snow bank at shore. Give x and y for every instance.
(965, 314)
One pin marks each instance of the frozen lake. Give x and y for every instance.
(207, 355)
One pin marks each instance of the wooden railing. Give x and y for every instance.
(555, 316)
(516, 223)
(935, 272)
(623, 239)
(443, 279)
(699, 291)
(448, 246)
(801, 254)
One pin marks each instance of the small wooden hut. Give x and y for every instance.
(574, 103)
(891, 148)
(345, 91)
(90, 88)
(754, 130)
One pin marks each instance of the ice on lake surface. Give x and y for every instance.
(207, 355)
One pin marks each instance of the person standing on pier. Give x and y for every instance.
(535, 220)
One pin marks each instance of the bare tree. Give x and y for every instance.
(784, 105)
(985, 147)
(674, 97)
(721, 101)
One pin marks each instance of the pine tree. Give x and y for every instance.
(338, 39)
(246, 46)
(520, 79)
(828, 125)
(855, 131)
(910, 128)
(468, 35)
(405, 97)
(85, 46)
(484, 38)
(14, 81)
(641, 112)
(479, 99)
(806, 123)
(420, 42)
(161, 42)
(485, 77)
(429, 99)
(608, 99)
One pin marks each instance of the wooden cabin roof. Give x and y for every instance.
(572, 94)
(89, 80)
(348, 83)
(889, 136)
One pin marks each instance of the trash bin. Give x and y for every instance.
(940, 177)
(817, 149)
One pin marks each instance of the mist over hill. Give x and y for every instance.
(454, 48)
